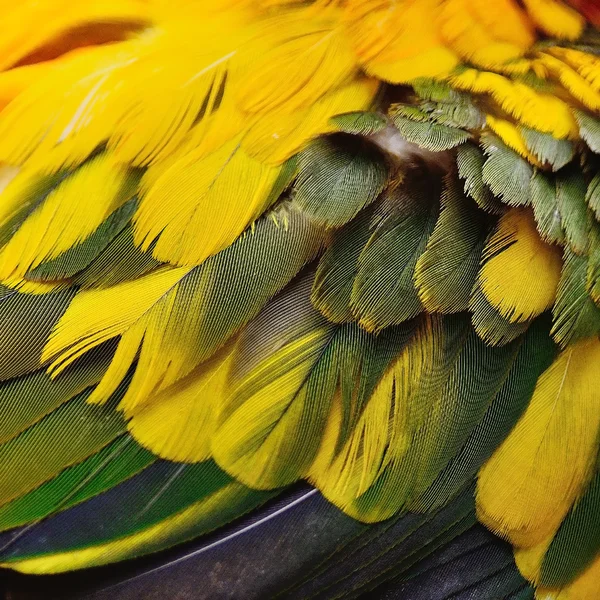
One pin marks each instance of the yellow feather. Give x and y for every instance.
(572, 81)
(276, 137)
(555, 18)
(62, 118)
(178, 423)
(511, 136)
(33, 287)
(13, 82)
(431, 63)
(7, 174)
(527, 487)
(195, 81)
(537, 110)
(516, 257)
(255, 428)
(330, 438)
(195, 208)
(529, 560)
(71, 212)
(386, 435)
(484, 33)
(110, 92)
(398, 41)
(298, 59)
(95, 316)
(587, 65)
(373, 26)
(168, 351)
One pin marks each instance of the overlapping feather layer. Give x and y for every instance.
(350, 241)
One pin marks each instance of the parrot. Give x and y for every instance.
(300, 299)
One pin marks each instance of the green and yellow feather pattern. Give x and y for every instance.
(245, 243)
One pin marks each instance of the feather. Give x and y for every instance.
(555, 439)
(401, 41)
(283, 387)
(338, 267)
(542, 190)
(384, 291)
(370, 475)
(337, 177)
(96, 427)
(575, 315)
(353, 242)
(469, 162)
(535, 352)
(547, 149)
(19, 412)
(489, 324)
(27, 317)
(179, 422)
(300, 62)
(165, 321)
(589, 130)
(76, 258)
(359, 122)
(416, 127)
(537, 110)
(512, 137)
(445, 273)
(570, 199)
(273, 138)
(485, 35)
(555, 19)
(62, 220)
(167, 502)
(514, 256)
(212, 200)
(121, 260)
(505, 172)
(349, 559)
(31, 28)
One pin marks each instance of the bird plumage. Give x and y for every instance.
(352, 242)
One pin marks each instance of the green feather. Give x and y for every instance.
(469, 161)
(416, 126)
(384, 291)
(505, 172)
(27, 399)
(577, 541)
(447, 270)
(30, 318)
(570, 198)
(589, 130)
(78, 257)
(338, 176)
(359, 123)
(545, 207)
(334, 279)
(548, 149)
(120, 261)
(489, 324)
(91, 428)
(592, 196)
(575, 314)
(535, 352)
(116, 462)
